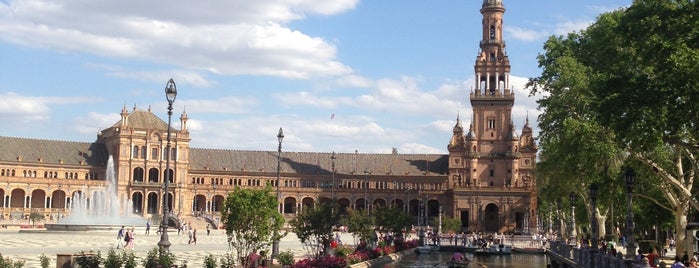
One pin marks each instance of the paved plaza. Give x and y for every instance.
(28, 245)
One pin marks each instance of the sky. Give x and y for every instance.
(336, 75)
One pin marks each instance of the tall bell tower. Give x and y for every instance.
(493, 187)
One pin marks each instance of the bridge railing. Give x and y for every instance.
(588, 257)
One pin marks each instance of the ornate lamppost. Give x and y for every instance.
(573, 233)
(629, 178)
(170, 94)
(594, 239)
(280, 137)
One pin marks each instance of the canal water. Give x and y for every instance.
(438, 259)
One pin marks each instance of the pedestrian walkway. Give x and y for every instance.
(28, 245)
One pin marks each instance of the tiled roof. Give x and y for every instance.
(318, 163)
(95, 154)
(140, 119)
(52, 151)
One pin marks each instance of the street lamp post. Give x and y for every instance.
(170, 94)
(560, 220)
(594, 239)
(179, 203)
(365, 186)
(332, 187)
(573, 233)
(280, 137)
(213, 202)
(630, 177)
(195, 209)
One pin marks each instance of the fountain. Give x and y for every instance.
(98, 209)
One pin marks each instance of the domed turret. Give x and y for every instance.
(492, 3)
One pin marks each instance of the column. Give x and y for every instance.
(478, 83)
(487, 83)
(507, 81)
(497, 82)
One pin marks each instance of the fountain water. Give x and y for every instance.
(98, 208)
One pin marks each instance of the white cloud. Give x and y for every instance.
(21, 108)
(94, 122)
(223, 37)
(526, 34)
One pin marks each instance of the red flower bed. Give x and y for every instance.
(356, 257)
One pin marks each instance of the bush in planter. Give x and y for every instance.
(210, 261)
(343, 251)
(154, 259)
(113, 260)
(44, 261)
(286, 258)
(89, 260)
(129, 259)
(228, 260)
(326, 261)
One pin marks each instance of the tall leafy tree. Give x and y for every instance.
(359, 224)
(314, 227)
(632, 80)
(252, 220)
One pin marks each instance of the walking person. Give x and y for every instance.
(120, 237)
(189, 233)
(147, 227)
(208, 229)
(194, 236)
(131, 237)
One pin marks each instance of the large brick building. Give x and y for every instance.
(486, 180)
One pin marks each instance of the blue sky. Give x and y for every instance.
(394, 73)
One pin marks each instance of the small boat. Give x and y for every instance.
(498, 249)
(426, 249)
(529, 250)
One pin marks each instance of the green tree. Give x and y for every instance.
(314, 227)
(393, 219)
(35, 216)
(252, 220)
(451, 225)
(629, 83)
(359, 224)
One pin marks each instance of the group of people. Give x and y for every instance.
(125, 238)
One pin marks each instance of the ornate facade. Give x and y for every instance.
(486, 180)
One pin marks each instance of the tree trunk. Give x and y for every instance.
(682, 242)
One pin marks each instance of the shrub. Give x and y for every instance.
(343, 251)
(357, 257)
(44, 261)
(322, 262)
(156, 259)
(9, 263)
(129, 259)
(286, 258)
(113, 259)
(89, 260)
(227, 261)
(210, 261)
